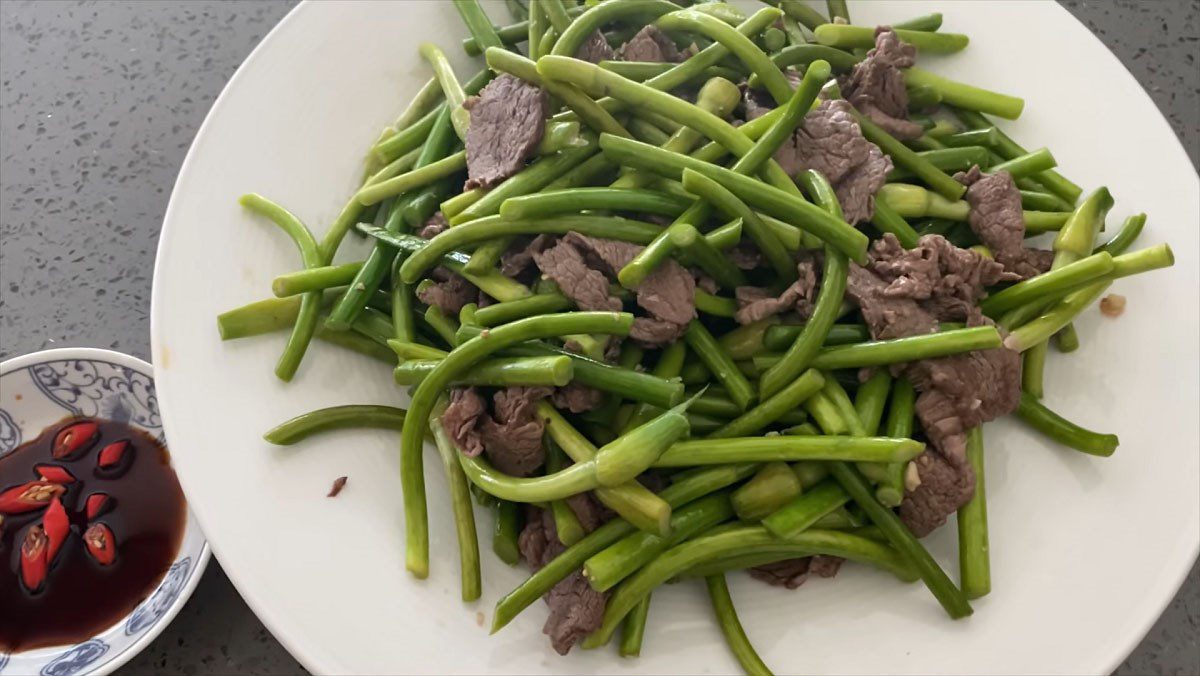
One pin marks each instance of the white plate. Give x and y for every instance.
(38, 390)
(1085, 551)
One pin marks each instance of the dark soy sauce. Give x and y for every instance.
(145, 512)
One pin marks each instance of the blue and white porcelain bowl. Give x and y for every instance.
(36, 391)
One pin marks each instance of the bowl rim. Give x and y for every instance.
(144, 368)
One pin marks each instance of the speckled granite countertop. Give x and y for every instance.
(98, 105)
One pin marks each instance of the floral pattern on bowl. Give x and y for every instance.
(36, 391)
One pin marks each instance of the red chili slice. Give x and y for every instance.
(30, 496)
(34, 562)
(95, 504)
(111, 455)
(57, 526)
(55, 474)
(100, 543)
(75, 439)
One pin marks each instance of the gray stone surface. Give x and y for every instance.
(98, 104)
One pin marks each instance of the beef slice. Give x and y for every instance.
(535, 536)
(789, 573)
(650, 44)
(997, 220)
(856, 191)
(823, 565)
(943, 489)
(461, 418)
(745, 255)
(876, 84)
(947, 280)
(581, 265)
(669, 293)
(508, 119)
(576, 609)
(653, 332)
(607, 256)
(577, 398)
(565, 265)
(590, 511)
(449, 295)
(903, 293)
(755, 303)
(595, 48)
(961, 391)
(831, 142)
(433, 226)
(886, 316)
(512, 435)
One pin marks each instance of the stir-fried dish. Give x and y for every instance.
(678, 291)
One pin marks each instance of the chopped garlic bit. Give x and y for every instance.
(1112, 305)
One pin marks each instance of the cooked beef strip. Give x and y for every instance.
(595, 48)
(823, 565)
(535, 536)
(790, 573)
(564, 264)
(876, 85)
(461, 417)
(451, 291)
(449, 295)
(944, 488)
(794, 77)
(886, 316)
(756, 303)
(653, 332)
(956, 393)
(512, 435)
(669, 293)
(831, 142)
(977, 386)
(948, 281)
(703, 281)
(856, 191)
(576, 609)
(612, 351)
(507, 121)
(517, 261)
(997, 220)
(434, 226)
(745, 255)
(903, 293)
(650, 44)
(605, 255)
(582, 266)
(577, 398)
(591, 512)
